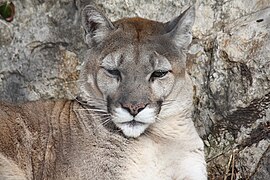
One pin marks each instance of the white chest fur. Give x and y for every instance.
(163, 160)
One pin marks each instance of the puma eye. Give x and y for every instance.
(113, 72)
(158, 74)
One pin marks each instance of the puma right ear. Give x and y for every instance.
(179, 29)
(96, 25)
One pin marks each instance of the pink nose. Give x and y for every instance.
(133, 109)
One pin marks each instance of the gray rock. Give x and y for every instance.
(40, 50)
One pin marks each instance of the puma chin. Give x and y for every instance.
(133, 118)
(133, 126)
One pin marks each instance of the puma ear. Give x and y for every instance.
(96, 25)
(179, 29)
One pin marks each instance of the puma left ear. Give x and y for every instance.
(179, 29)
(96, 25)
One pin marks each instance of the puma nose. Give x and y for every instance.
(133, 108)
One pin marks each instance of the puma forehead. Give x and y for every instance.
(139, 29)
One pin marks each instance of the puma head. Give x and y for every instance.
(133, 65)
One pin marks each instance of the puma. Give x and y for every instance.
(131, 120)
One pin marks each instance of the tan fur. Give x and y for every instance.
(47, 140)
(127, 123)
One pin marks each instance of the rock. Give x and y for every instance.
(228, 61)
(40, 51)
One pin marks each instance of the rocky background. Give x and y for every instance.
(229, 60)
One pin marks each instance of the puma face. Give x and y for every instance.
(135, 89)
(132, 66)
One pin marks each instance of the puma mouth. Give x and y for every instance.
(134, 123)
(132, 128)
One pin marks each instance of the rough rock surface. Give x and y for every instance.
(229, 61)
(40, 51)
